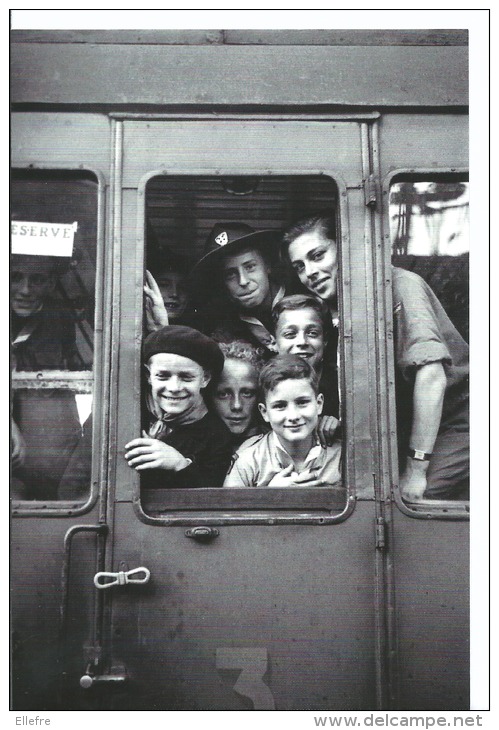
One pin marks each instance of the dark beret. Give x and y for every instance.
(188, 342)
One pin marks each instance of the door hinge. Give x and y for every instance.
(371, 191)
(380, 533)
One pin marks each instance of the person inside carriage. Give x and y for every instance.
(45, 423)
(234, 286)
(256, 314)
(183, 444)
(167, 297)
(233, 395)
(432, 366)
(290, 454)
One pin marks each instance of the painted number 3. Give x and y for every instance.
(253, 665)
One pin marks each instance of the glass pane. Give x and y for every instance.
(429, 224)
(430, 238)
(195, 226)
(53, 260)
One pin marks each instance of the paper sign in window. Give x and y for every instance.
(43, 239)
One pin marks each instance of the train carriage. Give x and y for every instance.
(250, 599)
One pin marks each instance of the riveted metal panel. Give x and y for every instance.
(37, 550)
(221, 74)
(61, 139)
(301, 595)
(433, 141)
(240, 148)
(432, 602)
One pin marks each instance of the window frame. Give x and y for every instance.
(100, 366)
(428, 508)
(266, 514)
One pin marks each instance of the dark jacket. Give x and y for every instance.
(208, 443)
(47, 417)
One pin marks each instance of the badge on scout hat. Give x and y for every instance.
(222, 238)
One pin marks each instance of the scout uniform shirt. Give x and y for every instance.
(255, 464)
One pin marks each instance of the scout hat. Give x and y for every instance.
(227, 239)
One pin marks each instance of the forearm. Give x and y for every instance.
(428, 398)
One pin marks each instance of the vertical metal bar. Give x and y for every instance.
(102, 353)
(115, 268)
(101, 530)
(388, 455)
(105, 553)
(370, 243)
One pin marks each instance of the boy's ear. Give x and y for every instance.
(320, 402)
(206, 378)
(146, 368)
(263, 410)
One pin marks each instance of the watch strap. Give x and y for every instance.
(418, 455)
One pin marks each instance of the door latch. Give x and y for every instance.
(203, 533)
(370, 191)
(380, 533)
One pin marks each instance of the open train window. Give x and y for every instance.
(52, 279)
(430, 241)
(219, 274)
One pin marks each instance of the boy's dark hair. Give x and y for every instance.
(286, 367)
(302, 301)
(323, 223)
(161, 261)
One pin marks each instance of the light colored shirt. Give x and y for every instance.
(256, 463)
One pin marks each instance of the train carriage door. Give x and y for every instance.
(425, 216)
(257, 598)
(59, 355)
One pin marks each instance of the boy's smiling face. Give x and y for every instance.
(32, 281)
(300, 332)
(176, 382)
(173, 290)
(246, 278)
(292, 409)
(315, 260)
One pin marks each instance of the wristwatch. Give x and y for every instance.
(418, 455)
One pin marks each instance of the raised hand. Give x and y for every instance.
(156, 314)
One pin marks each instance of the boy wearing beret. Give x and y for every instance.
(183, 445)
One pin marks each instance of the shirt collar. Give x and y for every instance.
(316, 452)
(258, 329)
(253, 320)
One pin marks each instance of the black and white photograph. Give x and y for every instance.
(240, 288)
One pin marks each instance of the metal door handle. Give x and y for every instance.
(108, 580)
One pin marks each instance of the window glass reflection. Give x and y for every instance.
(52, 312)
(430, 253)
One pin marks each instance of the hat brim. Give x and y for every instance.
(203, 273)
